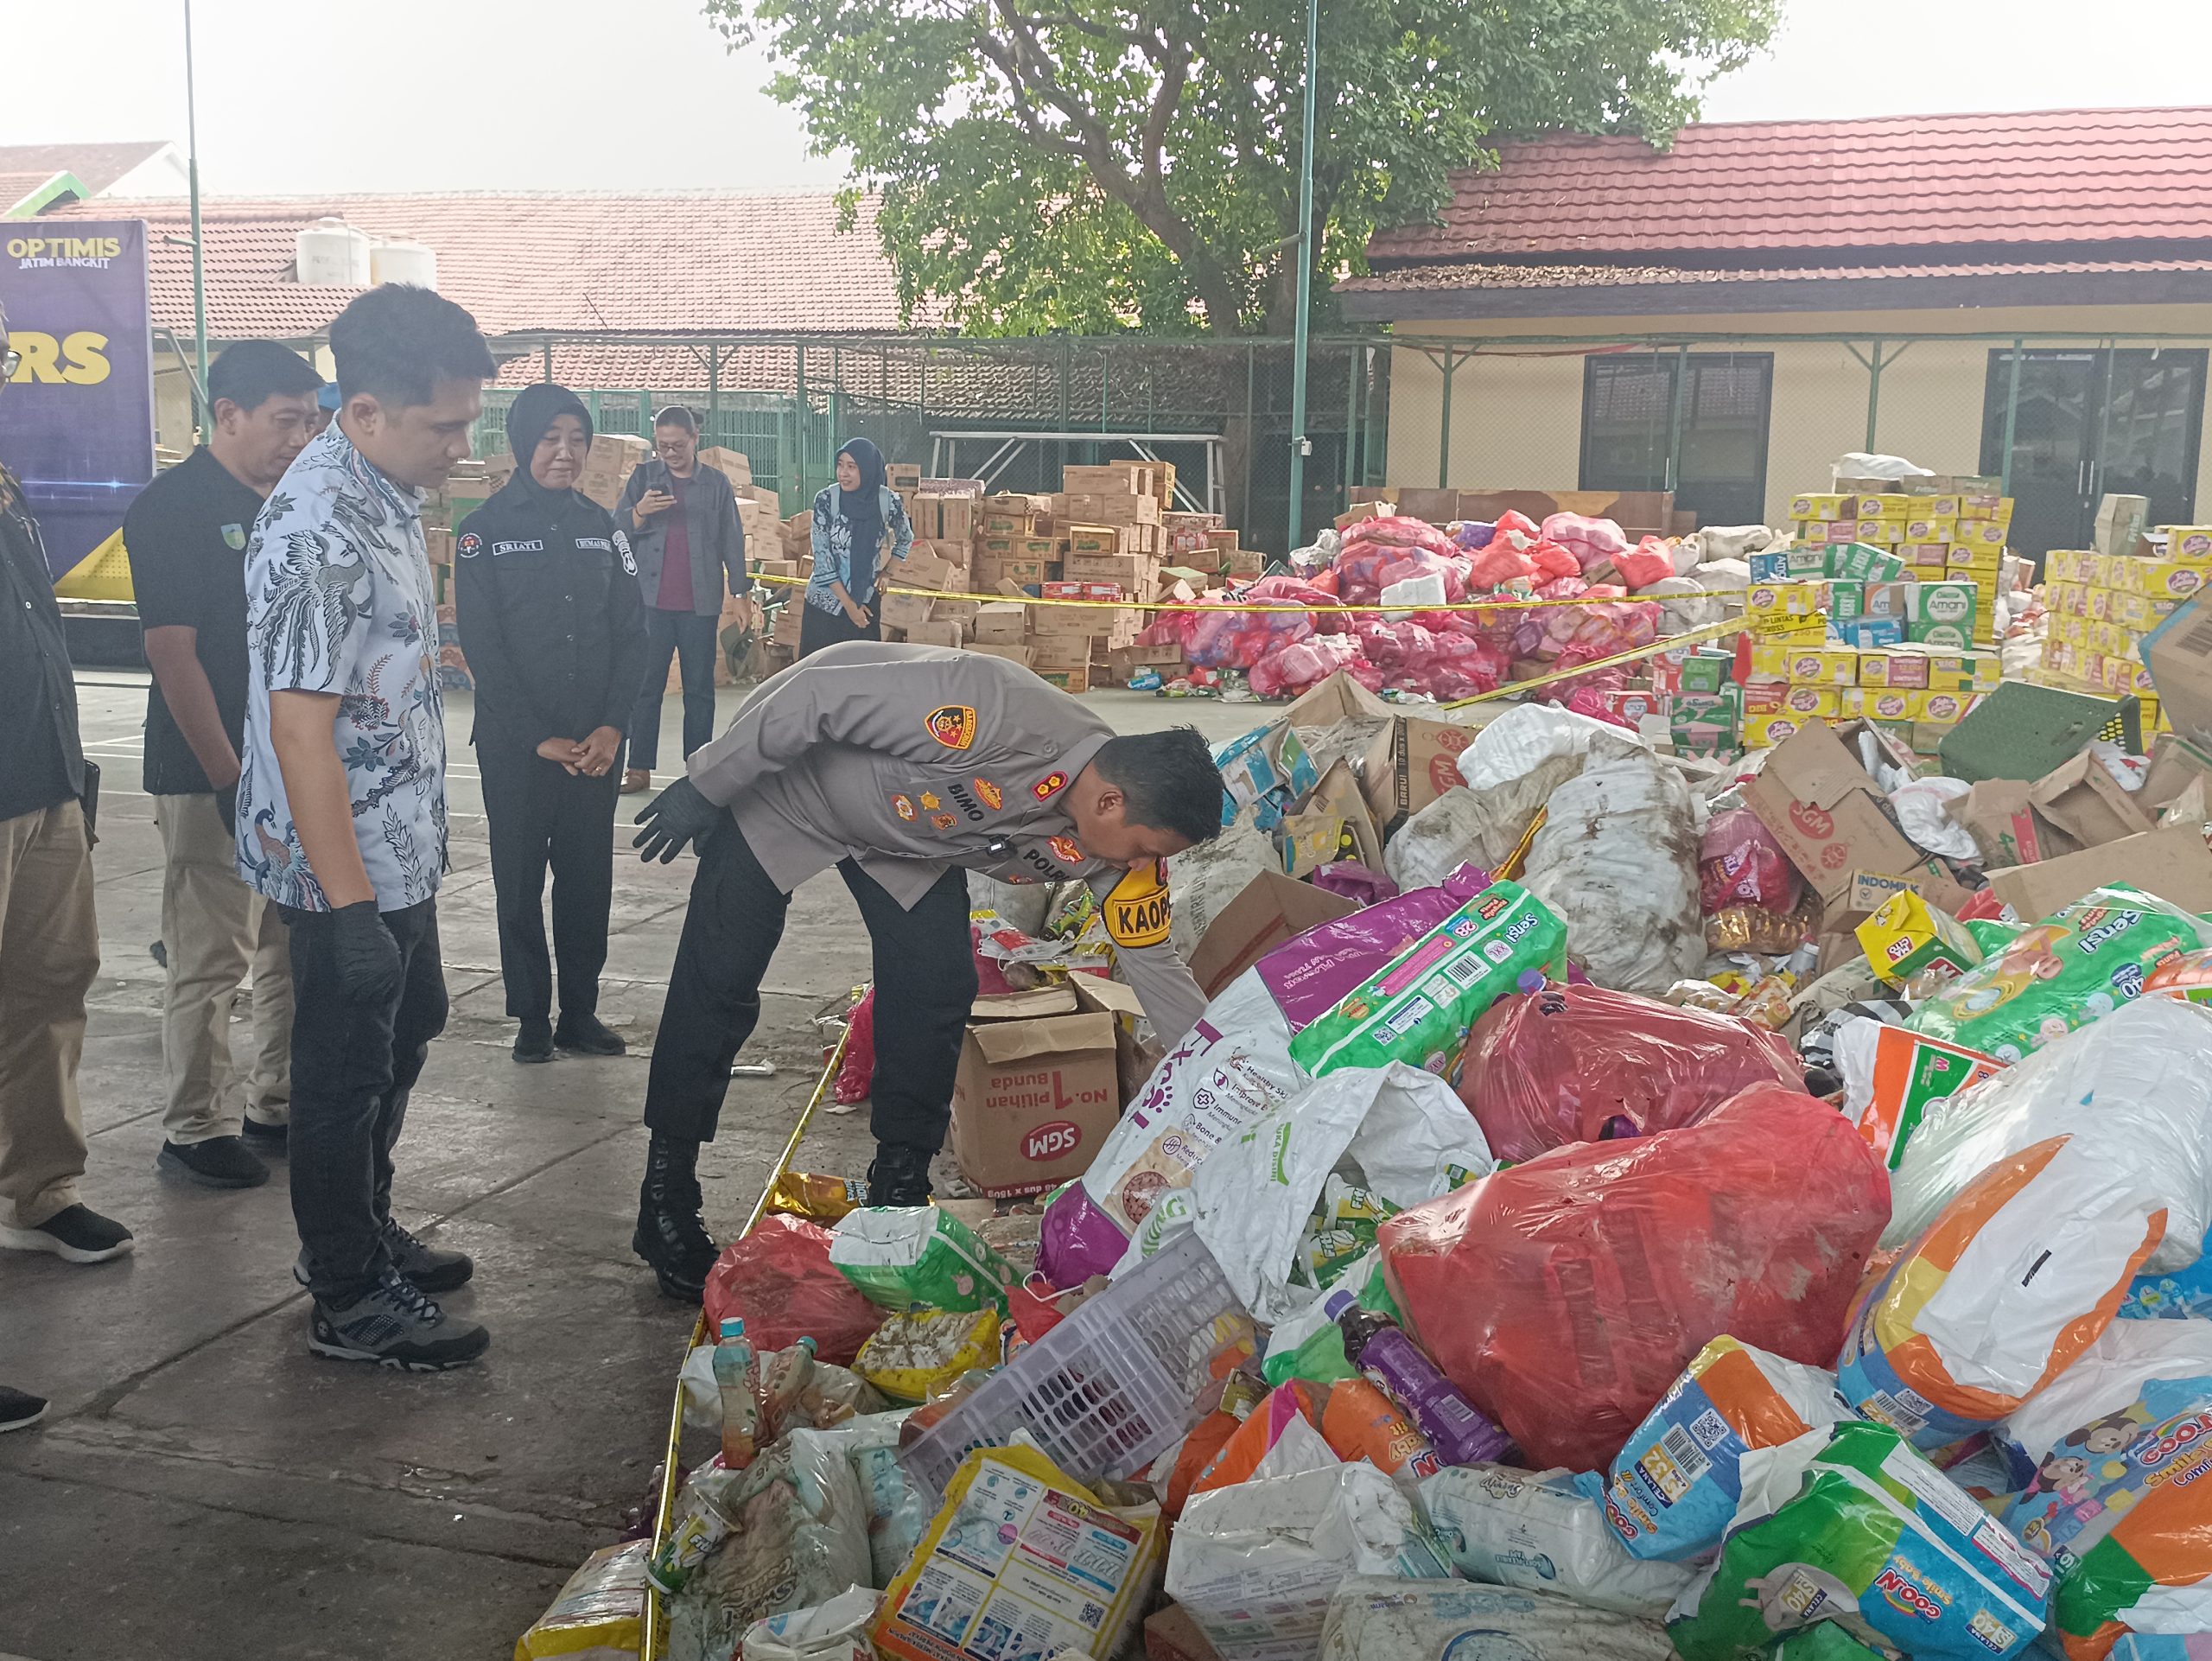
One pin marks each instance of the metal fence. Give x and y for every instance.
(1734, 424)
(1012, 412)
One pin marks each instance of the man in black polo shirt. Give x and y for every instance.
(187, 537)
(49, 939)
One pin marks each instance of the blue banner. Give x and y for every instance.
(77, 418)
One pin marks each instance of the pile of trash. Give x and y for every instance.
(1637, 1207)
(1420, 648)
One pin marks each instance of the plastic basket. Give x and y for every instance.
(1110, 1387)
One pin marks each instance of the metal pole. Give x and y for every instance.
(1299, 444)
(548, 361)
(1443, 425)
(199, 262)
(1873, 394)
(2011, 417)
(714, 389)
(1352, 428)
(1251, 431)
(1675, 418)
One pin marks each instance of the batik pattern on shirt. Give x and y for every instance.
(833, 549)
(339, 600)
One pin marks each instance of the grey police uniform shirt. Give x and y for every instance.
(913, 759)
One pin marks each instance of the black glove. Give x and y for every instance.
(367, 956)
(677, 816)
(227, 809)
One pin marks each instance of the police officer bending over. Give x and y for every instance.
(550, 618)
(905, 766)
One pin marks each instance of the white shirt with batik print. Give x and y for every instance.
(339, 599)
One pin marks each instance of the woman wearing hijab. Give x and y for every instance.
(552, 621)
(852, 521)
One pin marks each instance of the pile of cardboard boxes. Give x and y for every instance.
(1939, 529)
(2106, 602)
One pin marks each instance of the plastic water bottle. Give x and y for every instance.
(1392, 1362)
(737, 1375)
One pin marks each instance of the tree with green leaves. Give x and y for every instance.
(1089, 166)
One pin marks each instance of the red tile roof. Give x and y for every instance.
(730, 264)
(1757, 191)
(95, 166)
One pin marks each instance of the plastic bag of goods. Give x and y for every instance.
(1565, 1296)
(1650, 561)
(1589, 540)
(1848, 1524)
(904, 1256)
(598, 1613)
(1256, 1565)
(1402, 1127)
(2069, 971)
(779, 1281)
(1536, 1531)
(1419, 1008)
(1309, 975)
(856, 1068)
(1580, 1064)
(2013, 1280)
(1021, 1560)
(788, 1533)
(1738, 861)
(835, 1631)
(1230, 1068)
(1892, 1078)
(1375, 1619)
(1674, 1488)
(1280, 1437)
(912, 1356)
(1495, 566)
(1308, 1344)
(2113, 1457)
(899, 1508)
(815, 1197)
(2136, 1087)
(1305, 663)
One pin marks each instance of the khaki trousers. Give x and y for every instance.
(218, 932)
(50, 952)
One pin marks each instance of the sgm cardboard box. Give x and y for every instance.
(1828, 814)
(1034, 1097)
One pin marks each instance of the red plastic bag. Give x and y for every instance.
(1589, 540)
(1496, 565)
(780, 1279)
(1580, 1064)
(1553, 562)
(1565, 1296)
(1517, 530)
(1740, 863)
(1650, 561)
(858, 1066)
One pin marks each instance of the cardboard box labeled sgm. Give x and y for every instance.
(1034, 1097)
(1827, 813)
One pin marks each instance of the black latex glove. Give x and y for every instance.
(679, 815)
(367, 956)
(227, 809)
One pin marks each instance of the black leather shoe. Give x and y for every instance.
(672, 1235)
(218, 1162)
(268, 1138)
(535, 1042)
(587, 1035)
(899, 1175)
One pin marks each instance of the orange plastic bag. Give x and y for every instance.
(1241, 1454)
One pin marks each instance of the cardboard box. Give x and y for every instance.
(935, 633)
(1410, 763)
(1271, 909)
(1033, 1099)
(2119, 524)
(2172, 863)
(1827, 813)
(1999, 815)
(2088, 803)
(1000, 622)
(1020, 654)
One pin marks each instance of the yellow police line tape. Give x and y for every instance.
(1401, 609)
(671, 1475)
(1667, 642)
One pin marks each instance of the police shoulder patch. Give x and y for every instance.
(1049, 786)
(953, 725)
(470, 546)
(1136, 911)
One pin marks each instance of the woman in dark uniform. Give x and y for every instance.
(553, 627)
(854, 520)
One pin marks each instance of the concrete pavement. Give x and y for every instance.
(203, 1486)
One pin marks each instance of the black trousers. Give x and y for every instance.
(353, 1067)
(924, 983)
(538, 814)
(692, 641)
(818, 628)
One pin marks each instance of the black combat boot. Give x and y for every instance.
(900, 1175)
(671, 1236)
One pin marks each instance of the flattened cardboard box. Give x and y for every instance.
(2172, 863)
(1271, 909)
(2088, 803)
(1033, 1099)
(1826, 812)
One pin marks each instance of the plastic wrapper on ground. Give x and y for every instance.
(1848, 1525)
(1256, 1565)
(1581, 1064)
(780, 1281)
(1740, 863)
(835, 1631)
(1377, 1619)
(2137, 1087)
(1565, 1296)
(2012, 1280)
(1308, 975)
(1534, 1529)
(919, 1256)
(598, 1613)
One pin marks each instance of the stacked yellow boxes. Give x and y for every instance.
(1918, 692)
(1942, 529)
(2102, 605)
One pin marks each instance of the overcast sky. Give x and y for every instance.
(551, 94)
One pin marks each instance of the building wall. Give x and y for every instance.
(1515, 421)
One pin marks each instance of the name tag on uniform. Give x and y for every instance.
(600, 543)
(535, 545)
(1136, 911)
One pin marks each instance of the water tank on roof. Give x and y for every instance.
(331, 253)
(396, 259)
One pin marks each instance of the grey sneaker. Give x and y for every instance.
(397, 1326)
(431, 1269)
